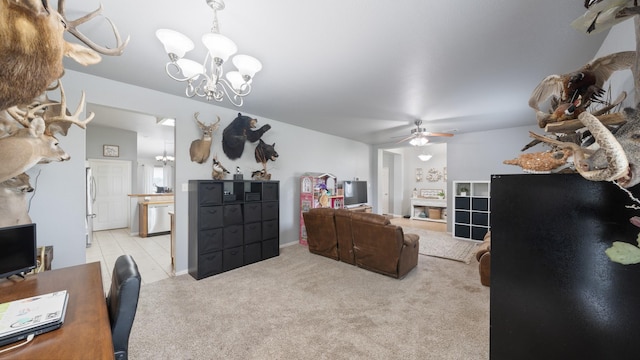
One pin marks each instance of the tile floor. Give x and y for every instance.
(152, 254)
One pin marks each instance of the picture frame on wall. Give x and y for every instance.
(110, 150)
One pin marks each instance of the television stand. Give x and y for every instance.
(360, 208)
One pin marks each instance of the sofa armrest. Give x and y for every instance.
(411, 239)
(483, 248)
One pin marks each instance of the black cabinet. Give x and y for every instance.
(231, 224)
(554, 292)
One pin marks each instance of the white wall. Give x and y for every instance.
(301, 150)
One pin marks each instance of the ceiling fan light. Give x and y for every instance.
(219, 46)
(425, 157)
(419, 141)
(174, 42)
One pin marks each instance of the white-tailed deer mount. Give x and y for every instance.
(14, 209)
(32, 46)
(27, 147)
(201, 148)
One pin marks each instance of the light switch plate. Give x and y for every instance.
(185, 187)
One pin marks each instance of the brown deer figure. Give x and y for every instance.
(14, 209)
(201, 148)
(27, 147)
(32, 47)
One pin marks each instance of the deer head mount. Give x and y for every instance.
(201, 148)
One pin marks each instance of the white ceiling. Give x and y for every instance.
(362, 69)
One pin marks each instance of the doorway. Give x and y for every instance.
(139, 138)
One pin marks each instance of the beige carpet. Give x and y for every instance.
(443, 245)
(304, 306)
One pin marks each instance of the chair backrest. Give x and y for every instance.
(122, 303)
(321, 232)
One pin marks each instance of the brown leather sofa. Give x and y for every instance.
(366, 240)
(483, 255)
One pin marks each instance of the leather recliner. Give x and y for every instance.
(483, 255)
(382, 247)
(321, 232)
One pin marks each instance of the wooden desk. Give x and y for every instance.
(86, 332)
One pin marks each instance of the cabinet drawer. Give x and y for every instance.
(210, 193)
(462, 202)
(232, 258)
(252, 253)
(232, 214)
(270, 229)
(269, 210)
(478, 218)
(252, 212)
(252, 232)
(209, 217)
(210, 264)
(270, 191)
(270, 248)
(209, 240)
(233, 236)
(463, 217)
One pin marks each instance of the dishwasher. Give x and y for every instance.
(158, 219)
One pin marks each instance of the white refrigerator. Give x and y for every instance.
(91, 198)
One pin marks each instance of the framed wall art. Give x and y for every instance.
(110, 150)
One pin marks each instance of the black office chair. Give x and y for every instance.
(122, 302)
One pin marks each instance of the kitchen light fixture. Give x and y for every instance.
(419, 141)
(205, 80)
(165, 158)
(425, 157)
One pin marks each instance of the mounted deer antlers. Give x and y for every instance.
(32, 47)
(201, 148)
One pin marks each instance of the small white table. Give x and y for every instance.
(420, 205)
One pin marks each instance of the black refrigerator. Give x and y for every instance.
(554, 292)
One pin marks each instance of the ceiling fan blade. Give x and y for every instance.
(438, 134)
(406, 138)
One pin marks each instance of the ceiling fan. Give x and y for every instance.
(419, 136)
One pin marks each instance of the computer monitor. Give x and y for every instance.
(18, 248)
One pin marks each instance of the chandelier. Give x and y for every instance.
(206, 79)
(165, 158)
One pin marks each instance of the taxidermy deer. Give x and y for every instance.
(201, 148)
(14, 209)
(32, 47)
(27, 147)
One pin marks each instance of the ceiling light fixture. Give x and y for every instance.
(205, 80)
(425, 157)
(419, 141)
(165, 158)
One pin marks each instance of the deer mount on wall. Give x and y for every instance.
(200, 149)
(32, 46)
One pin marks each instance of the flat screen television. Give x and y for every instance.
(355, 193)
(18, 249)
